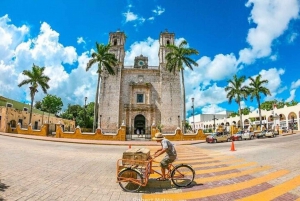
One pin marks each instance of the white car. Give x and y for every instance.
(270, 133)
(248, 135)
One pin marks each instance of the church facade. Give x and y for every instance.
(140, 96)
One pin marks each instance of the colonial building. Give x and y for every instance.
(13, 112)
(288, 117)
(140, 95)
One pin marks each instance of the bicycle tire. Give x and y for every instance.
(182, 175)
(130, 180)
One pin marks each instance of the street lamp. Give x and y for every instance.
(193, 114)
(214, 122)
(85, 99)
(178, 121)
(100, 120)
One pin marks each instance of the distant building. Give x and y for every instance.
(13, 112)
(284, 117)
(200, 119)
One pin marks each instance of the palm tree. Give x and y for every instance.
(36, 78)
(255, 88)
(177, 58)
(105, 60)
(237, 92)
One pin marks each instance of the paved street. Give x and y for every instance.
(262, 169)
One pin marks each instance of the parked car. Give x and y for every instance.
(261, 134)
(248, 135)
(218, 137)
(237, 136)
(270, 133)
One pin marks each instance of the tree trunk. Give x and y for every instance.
(240, 112)
(259, 112)
(183, 96)
(31, 105)
(96, 105)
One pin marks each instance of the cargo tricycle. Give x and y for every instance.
(134, 172)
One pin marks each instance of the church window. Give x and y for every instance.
(140, 98)
(115, 42)
(168, 42)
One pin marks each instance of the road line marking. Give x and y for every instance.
(218, 163)
(231, 175)
(204, 160)
(211, 170)
(275, 191)
(217, 190)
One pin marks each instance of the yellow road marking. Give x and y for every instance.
(231, 175)
(275, 191)
(217, 163)
(216, 191)
(298, 199)
(210, 170)
(204, 159)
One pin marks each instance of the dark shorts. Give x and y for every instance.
(166, 161)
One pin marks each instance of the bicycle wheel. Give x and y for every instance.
(130, 180)
(182, 175)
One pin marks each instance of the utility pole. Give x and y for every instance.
(193, 115)
(214, 122)
(85, 112)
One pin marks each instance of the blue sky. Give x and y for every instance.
(233, 37)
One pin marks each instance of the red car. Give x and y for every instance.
(237, 136)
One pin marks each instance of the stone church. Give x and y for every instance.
(140, 96)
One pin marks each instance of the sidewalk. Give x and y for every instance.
(99, 142)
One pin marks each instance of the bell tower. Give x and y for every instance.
(165, 39)
(117, 41)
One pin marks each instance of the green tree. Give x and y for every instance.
(35, 78)
(51, 104)
(246, 111)
(106, 61)
(256, 88)
(237, 92)
(177, 59)
(267, 105)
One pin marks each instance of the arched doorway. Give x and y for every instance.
(139, 127)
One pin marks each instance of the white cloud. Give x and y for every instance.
(212, 109)
(80, 40)
(292, 37)
(274, 81)
(296, 84)
(292, 96)
(130, 16)
(148, 48)
(272, 18)
(151, 18)
(159, 10)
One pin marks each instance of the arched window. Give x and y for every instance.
(168, 42)
(115, 42)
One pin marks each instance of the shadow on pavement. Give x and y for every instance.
(3, 187)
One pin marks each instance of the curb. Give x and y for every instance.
(96, 142)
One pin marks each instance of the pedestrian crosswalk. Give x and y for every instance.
(225, 177)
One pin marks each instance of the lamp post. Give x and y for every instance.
(214, 122)
(193, 114)
(85, 99)
(179, 121)
(100, 120)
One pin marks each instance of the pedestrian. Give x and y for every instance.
(138, 132)
(168, 148)
(277, 129)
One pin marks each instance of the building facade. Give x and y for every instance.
(13, 112)
(284, 117)
(140, 96)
